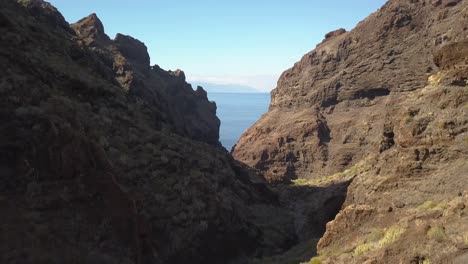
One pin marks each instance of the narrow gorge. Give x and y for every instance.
(361, 158)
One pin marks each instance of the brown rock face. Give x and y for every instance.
(328, 111)
(416, 189)
(105, 159)
(453, 63)
(335, 33)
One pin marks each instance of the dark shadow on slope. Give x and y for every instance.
(313, 207)
(370, 93)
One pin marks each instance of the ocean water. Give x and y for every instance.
(238, 112)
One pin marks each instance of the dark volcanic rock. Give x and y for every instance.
(91, 30)
(132, 49)
(105, 159)
(125, 60)
(46, 13)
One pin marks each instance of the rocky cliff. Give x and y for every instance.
(106, 159)
(327, 112)
(383, 106)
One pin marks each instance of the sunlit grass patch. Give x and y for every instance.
(314, 260)
(427, 205)
(351, 171)
(391, 235)
(337, 177)
(375, 235)
(301, 182)
(437, 233)
(432, 205)
(363, 248)
(379, 238)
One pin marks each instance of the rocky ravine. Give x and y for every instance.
(106, 159)
(386, 107)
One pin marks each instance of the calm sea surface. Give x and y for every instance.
(238, 112)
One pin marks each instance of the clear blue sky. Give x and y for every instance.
(237, 41)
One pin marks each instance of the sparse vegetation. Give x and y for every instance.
(350, 171)
(379, 238)
(300, 182)
(437, 233)
(407, 119)
(425, 261)
(433, 205)
(442, 125)
(375, 235)
(363, 248)
(315, 260)
(391, 235)
(327, 179)
(427, 205)
(329, 252)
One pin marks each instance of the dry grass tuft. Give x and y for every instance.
(437, 233)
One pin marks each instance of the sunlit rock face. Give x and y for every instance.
(329, 110)
(384, 106)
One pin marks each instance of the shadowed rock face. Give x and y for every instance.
(132, 49)
(125, 61)
(91, 30)
(383, 105)
(105, 159)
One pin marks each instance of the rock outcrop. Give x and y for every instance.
(106, 159)
(385, 107)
